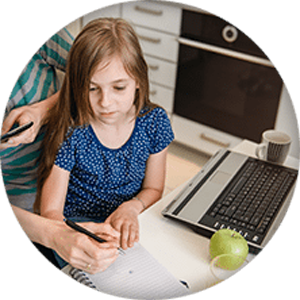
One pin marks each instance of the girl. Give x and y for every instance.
(112, 140)
(40, 80)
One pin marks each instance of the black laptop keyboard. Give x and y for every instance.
(252, 200)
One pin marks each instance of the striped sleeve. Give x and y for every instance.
(41, 78)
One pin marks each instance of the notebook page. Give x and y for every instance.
(137, 275)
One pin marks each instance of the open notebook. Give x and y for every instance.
(136, 275)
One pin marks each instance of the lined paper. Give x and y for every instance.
(136, 275)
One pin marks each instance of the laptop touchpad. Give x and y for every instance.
(211, 189)
(220, 177)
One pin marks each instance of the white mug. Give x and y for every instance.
(274, 147)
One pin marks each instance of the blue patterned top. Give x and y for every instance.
(101, 178)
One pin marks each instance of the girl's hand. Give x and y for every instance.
(83, 252)
(125, 220)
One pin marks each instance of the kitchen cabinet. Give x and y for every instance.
(157, 26)
(113, 11)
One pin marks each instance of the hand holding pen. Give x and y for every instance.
(80, 229)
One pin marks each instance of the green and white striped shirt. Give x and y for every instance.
(41, 78)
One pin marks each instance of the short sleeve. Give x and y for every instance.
(65, 157)
(160, 131)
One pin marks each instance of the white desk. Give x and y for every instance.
(183, 252)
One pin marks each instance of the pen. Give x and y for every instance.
(80, 229)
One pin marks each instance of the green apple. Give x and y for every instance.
(231, 248)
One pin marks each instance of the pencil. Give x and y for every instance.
(80, 229)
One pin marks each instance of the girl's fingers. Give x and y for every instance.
(108, 229)
(104, 230)
(129, 235)
(133, 236)
(124, 235)
(131, 239)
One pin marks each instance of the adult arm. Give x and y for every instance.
(29, 100)
(54, 193)
(76, 248)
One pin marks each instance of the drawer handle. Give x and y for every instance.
(153, 93)
(149, 39)
(213, 140)
(148, 11)
(153, 67)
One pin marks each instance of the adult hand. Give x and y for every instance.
(76, 248)
(23, 115)
(83, 252)
(125, 220)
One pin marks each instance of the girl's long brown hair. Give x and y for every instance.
(99, 40)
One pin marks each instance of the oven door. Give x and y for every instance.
(235, 93)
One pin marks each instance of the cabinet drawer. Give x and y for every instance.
(158, 44)
(161, 72)
(113, 11)
(162, 96)
(154, 15)
(198, 136)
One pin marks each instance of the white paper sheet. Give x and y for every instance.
(136, 275)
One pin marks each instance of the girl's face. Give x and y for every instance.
(112, 92)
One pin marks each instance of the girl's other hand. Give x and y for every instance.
(125, 220)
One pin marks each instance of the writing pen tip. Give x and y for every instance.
(122, 251)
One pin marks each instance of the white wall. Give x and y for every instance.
(276, 27)
(287, 121)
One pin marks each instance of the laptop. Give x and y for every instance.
(238, 192)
